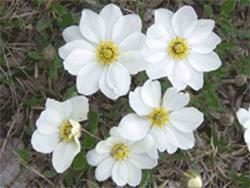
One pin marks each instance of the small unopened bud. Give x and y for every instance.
(240, 79)
(226, 119)
(192, 179)
(49, 53)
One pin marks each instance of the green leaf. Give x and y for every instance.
(50, 173)
(79, 163)
(34, 55)
(23, 154)
(146, 179)
(208, 10)
(228, 6)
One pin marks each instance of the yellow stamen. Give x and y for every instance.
(120, 151)
(65, 131)
(178, 48)
(159, 117)
(107, 52)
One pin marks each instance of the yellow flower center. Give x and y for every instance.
(159, 117)
(120, 151)
(178, 48)
(65, 131)
(107, 52)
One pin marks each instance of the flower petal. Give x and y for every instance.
(204, 62)
(92, 26)
(187, 119)
(159, 137)
(62, 108)
(207, 45)
(181, 71)
(72, 33)
(104, 169)
(80, 108)
(151, 93)
(44, 143)
(175, 100)
(171, 143)
(185, 140)
(243, 116)
(143, 161)
(94, 158)
(144, 145)
(133, 42)
(196, 80)
(133, 127)
(110, 14)
(69, 47)
(125, 26)
(118, 79)
(64, 155)
(135, 174)
(137, 104)
(48, 122)
(120, 173)
(247, 136)
(160, 69)
(202, 30)
(133, 61)
(105, 146)
(87, 81)
(184, 21)
(176, 82)
(77, 59)
(164, 17)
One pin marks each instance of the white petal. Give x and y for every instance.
(118, 79)
(110, 14)
(133, 127)
(176, 82)
(243, 116)
(44, 143)
(207, 45)
(87, 81)
(171, 140)
(94, 158)
(62, 108)
(247, 136)
(104, 169)
(181, 71)
(154, 55)
(164, 17)
(134, 41)
(196, 80)
(187, 119)
(202, 30)
(143, 161)
(184, 21)
(105, 146)
(175, 100)
(125, 26)
(151, 93)
(137, 104)
(92, 26)
(69, 47)
(133, 61)
(159, 137)
(144, 145)
(157, 36)
(135, 174)
(80, 108)
(120, 173)
(104, 87)
(72, 33)
(64, 155)
(184, 140)
(48, 122)
(160, 69)
(77, 59)
(204, 62)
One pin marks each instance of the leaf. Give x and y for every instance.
(146, 179)
(228, 6)
(23, 154)
(79, 163)
(34, 55)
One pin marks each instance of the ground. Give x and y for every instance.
(31, 71)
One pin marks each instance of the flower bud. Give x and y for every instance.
(49, 53)
(226, 119)
(240, 80)
(192, 179)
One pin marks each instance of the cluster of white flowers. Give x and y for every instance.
(102, 52)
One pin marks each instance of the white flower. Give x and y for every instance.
(243, 116)
(121, 159)
(103, 51)
(180, 47)
(166, 119)
(58, 130)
